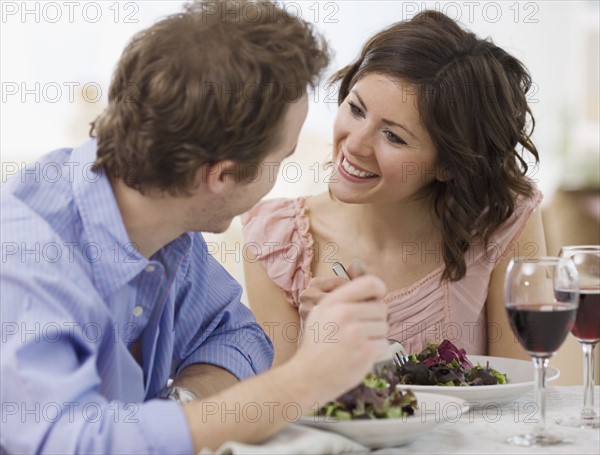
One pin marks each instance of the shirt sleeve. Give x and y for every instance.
(278, 231)
(212, 325)
(53, 398)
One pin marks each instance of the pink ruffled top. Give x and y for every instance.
(426, 310)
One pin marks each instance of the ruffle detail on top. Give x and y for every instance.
(279, 231)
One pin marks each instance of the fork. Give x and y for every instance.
(400, 357)
(399, 360)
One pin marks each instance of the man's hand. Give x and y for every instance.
(347, 333)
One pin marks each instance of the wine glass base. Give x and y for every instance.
(540, 440)
(592, 423)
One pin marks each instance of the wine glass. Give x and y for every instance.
(541, 297)
(587, 326)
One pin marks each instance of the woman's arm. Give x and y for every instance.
(276, 316)
(531, 243)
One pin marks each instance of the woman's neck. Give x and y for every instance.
(390, 226)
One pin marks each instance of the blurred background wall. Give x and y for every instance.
(56, 60)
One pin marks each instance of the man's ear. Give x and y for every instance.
(442, 174)
(217, 176)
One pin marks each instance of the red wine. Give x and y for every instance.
(542, 328)
(587, 322)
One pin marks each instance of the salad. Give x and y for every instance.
(444, 364)
(377, 397)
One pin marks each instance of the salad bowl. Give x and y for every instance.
(433, 410)
(520, 381)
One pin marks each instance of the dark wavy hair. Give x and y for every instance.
(472, 100)
(211, 83)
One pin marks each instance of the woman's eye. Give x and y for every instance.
(394, 139)
(355, 109)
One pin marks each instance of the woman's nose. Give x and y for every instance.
(359, 143)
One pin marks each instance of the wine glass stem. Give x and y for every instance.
(540, 365)
(588, 380)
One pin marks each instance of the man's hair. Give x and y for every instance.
(472, 100)
(211, 83)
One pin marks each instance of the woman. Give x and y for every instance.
(430, 192)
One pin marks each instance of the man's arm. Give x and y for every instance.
(255, 409)
(54, 398)
(205, 380)
(55, 372)
(213, 328)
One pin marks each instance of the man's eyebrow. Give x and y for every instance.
(386, 121)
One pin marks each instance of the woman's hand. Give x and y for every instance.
(348, 330)
(319, 287)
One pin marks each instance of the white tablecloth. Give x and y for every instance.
(477, 432)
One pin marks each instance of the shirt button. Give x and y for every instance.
(138, 310)
(150, 268)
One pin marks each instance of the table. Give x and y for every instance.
(478, 431)
(484, 431)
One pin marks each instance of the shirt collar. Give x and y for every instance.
(114, 259)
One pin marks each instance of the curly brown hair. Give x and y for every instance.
(472, 99)
(211, 83)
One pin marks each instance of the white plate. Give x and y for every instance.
(434, 409)
(520, 381)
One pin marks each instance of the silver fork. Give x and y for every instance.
(399, 360)
(400, 357)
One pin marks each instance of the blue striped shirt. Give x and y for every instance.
(75, 295)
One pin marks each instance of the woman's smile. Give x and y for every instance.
(353, 172)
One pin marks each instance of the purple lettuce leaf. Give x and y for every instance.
(448, 352)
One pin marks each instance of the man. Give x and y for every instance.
(107, 289)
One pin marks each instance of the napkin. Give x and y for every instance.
(294, 440)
